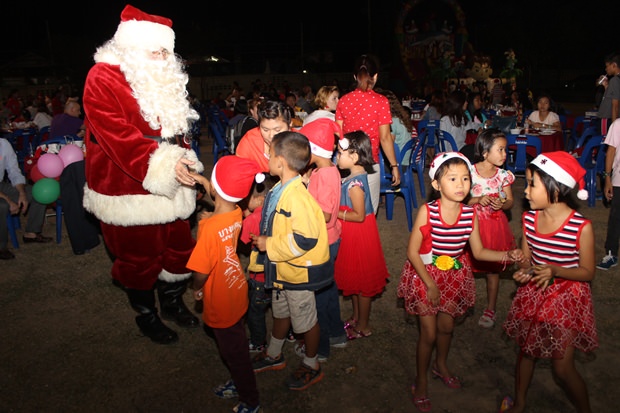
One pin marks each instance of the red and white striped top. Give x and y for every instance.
(450, 239)
(560, 247)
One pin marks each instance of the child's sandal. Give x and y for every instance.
(452, 382)
(350, 323)
(422, 403)
(353, 334)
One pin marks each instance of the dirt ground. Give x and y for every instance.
(69, 343)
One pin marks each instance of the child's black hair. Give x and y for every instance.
(435, 194)
(359, 143)
(294, 148)
(274, 109)
(485, 141)
(556, 191)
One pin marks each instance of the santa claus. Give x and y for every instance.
(137, 177)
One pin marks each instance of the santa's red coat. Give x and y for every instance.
(131, 184)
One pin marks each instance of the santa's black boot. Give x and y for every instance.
(143, 302)
(172, 306)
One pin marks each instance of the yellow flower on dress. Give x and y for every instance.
(444, 263)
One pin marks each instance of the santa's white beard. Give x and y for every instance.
(159, 88)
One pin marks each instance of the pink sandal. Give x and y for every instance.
(353, 334)
(350, 323)
(422, 403)
(451, 382)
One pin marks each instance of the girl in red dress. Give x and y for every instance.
(360, 270)
(437, 282)
(552, 312)
(491, 196)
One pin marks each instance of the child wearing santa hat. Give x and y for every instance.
(219, 278)
(552, 312)
(437, 282)
(324, 186)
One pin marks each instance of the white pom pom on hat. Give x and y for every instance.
(233, 176)
(564, 168)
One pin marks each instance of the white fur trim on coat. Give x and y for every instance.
(168, 200)
(161, 178)
(129, 210)
(172, 278)
(104, 55)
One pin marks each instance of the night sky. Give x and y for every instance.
(544, 34)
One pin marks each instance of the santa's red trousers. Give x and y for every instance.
(141, 252)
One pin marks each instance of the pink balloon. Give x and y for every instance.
(71, 153)
(50, 165)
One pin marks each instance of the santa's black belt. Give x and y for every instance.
(158, 139)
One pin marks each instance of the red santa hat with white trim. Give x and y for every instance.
(139, 30)
(233, 176)
(440, 158)
(320, 133)
(564, 168)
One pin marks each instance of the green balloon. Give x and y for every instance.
(46, 190)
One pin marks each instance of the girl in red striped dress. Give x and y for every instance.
(552, 313)
(437, 282)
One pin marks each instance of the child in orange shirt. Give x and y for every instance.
(219, 279)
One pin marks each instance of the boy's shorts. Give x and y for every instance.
(299, 305)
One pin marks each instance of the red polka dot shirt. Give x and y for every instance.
(366, 111)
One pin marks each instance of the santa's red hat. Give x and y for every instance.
(233, 176)
(320, 133)
(139, 30)
(564, 168)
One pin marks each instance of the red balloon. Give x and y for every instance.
(35, 174)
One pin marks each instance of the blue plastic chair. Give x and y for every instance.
(405, 188)
(517, 146)
(565, 129)
(417, 162)
(58, 209)
(421, 126)
(504, 123)
(13, 223)
(62, 140)
(445, 142)
(196, 146)
(217, 117)
(406, 171)
(592, 159)
(429, 128)
(219, 143)
(24, 142)
(44, 134)
(587, 134)
(57, 205)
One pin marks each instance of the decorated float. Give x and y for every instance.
(435, 51)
